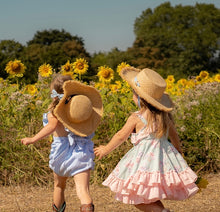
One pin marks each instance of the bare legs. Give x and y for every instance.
(82, 187)
(59, 187)
(152, 207)
(82, 190)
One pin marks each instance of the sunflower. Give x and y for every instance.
(170, 79)
(182, 82)
(217, 77)
(71, 74)
(31, 89)
(121, 66)
(204, 74)
(80, 66)
(67, 67)
(15, 68)
(105, 74)
(125, 87)
(118, 83)
(114, 88)
(190, 84)
(100, 85)
(45, 70)
(198, 79)
(177, 93)
(169, 86)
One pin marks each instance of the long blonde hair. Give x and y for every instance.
(57, 85)
(157, 120)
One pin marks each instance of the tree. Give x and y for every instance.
(111, 59)
(145, 56)
(47, 37)
(186, 36)
(53, 47)
(9, 50)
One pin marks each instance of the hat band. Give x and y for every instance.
(136, 82)
(69, 98)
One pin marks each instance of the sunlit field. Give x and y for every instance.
(196, 113)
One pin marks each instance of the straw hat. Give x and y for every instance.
(149, 85)
(80, 110)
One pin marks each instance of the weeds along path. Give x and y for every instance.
(30, 199)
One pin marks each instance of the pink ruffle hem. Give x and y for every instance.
(147, 187)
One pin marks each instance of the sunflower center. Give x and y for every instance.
(67, 68)
(105, 73)
(169, 86)
(16, 67)
(204, 75)
(80, 66)
(199, 79)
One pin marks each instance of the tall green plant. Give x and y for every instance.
(197, 117)
(20, 116)
(117, 108)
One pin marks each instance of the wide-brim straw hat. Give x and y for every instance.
(149, 85)
(80, 109)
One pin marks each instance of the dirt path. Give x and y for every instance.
(26, 198)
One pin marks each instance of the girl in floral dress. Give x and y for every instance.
(154, 169)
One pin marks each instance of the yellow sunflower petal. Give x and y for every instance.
(170, 79)
(31, 89)
(45, 70)
(217, 77)
(105, 74)
(67, 67)
(15, 68)
(121, 66)
(80, 66)
(204, 74)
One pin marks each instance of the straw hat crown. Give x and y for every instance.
(82, 105)
(149, 85)
(80, 110)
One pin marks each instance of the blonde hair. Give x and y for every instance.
(157, 120)
(57, 85)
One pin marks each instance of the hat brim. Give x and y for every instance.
(88, 126)
(164, 103)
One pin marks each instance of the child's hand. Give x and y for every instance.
(100, 151)
(27, 141)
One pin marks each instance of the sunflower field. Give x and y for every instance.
(196, 113)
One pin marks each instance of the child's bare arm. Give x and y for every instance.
(174, 138)
(118, 138)
(47, 130)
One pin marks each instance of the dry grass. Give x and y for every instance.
(27, 198)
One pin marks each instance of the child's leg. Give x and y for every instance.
(82, 187)
(152, 207)
(59, 187)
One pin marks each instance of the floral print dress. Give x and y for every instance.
(152, 170)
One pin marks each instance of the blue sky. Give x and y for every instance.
(103, 24)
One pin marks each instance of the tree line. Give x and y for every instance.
(180, 40)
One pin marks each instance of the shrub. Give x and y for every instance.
(197, 117)
(20, 117)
